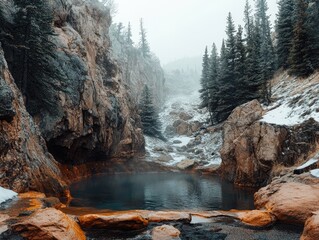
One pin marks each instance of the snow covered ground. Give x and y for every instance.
(296, 100)
(6, 194)
(202, 147)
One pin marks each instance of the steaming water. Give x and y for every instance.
(158, 191)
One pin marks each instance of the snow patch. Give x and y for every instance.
(296, 101)
(6, 194)
(307, 164)
(315, 173)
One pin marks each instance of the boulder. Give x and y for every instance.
(185, 116)
(116, 221)
(183, 128)
(161, 216)
(185, 164)
(257, 218)
(311, 229)
(164, 158)
(48, 223)
(165, 232)
(195, 126)
(251, 148)
(289, 202)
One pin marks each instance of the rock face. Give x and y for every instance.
(290, 202)
(137, 69)
(129, 221)
(48, 223)
(95, 117)
(311, 230)
(91, 116)
(252, 148)
(25, 163)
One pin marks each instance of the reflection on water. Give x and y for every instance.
(158, 191)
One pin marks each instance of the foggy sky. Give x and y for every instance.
(182, 28)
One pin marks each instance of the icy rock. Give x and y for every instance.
(185, 164)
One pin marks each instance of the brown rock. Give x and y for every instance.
(252, 148)
(257, 218)
(48, 223)
(25, 163)
(195, 126)
(165, 232)
(185, 116)
(311, 229)
(120, 221)
(183, 128)
(290, 202)
(31, 195)
(162, 216)
(187, 163)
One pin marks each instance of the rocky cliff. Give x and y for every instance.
(25, 163)
(257, 147)
(96, 119)
(92, 117)
(137, 69)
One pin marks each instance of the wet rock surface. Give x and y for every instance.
(25, 163)
(124, 221)
(289, 202)
(252, 148)
(48, 223)
(311, 230)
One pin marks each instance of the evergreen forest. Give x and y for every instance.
(251, 54)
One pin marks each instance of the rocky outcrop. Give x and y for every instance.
(251, 148)
(25, 163)
(289, 202)
(95, 118)
(128, 221)
(89, 114)
(311, 229)
(48, 223)
(257, 218)
(165, 232)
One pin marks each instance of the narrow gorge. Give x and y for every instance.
(78, 102)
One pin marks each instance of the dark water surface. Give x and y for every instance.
(159, 191)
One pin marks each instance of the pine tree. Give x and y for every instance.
(119, 29)
(313, 31)
(267, 56)
(149, 117)
(223, 95)
(129, 40)
(226, 84)
(300, 53)
(213, 81)
(143, 44)
(32, 65)
(241, 69)
(204, 80)
(284, 29)
(5, 26)
(252, 55)
(230, 44)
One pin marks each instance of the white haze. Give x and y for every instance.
(182, 28)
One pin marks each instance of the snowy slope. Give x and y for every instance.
(296, 100)
(202, 147)
(6, 194)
